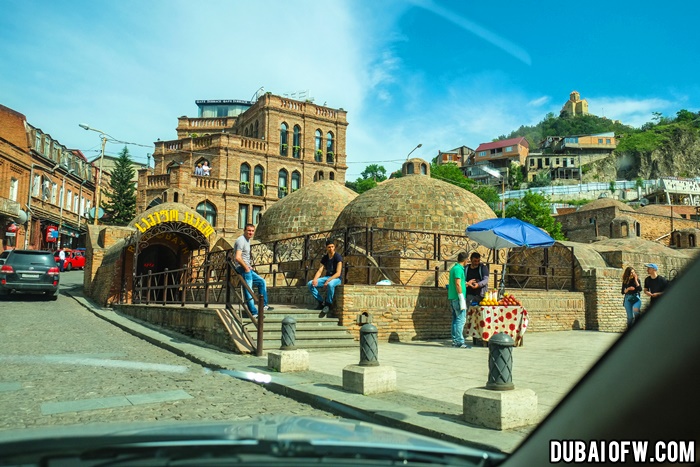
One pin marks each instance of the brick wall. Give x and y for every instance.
(605, 310)
(416, 313)
(103, 263)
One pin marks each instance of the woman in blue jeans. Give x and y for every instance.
(632, 290)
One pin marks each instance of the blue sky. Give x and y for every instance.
(440, 73)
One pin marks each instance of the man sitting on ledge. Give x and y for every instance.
(332, 262)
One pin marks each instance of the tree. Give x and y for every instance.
(375, 172)
(541, 179)
(120, 203)
(451, 173)
(535, 209)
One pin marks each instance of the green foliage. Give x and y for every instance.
(374, 171)
(363, 185)
(451, 173)
(541, 179)
(119, 200)
(612, 187)
(535, 209)
(516, 176)
(639, 182)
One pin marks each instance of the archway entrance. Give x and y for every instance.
(157, 258)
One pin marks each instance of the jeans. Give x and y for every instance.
(253, 280)
(459, 319)
(331, 289)
(633, 310)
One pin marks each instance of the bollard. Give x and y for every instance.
(289, 333)
(500, 363)
(368, 345)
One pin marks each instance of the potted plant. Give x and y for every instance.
(259, 187)
(296, 150)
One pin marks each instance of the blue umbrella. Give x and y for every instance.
(508, 233)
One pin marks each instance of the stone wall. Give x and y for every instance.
(199, 323)
(415, 313)
(605, 310)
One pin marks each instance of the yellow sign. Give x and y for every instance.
(173, 215)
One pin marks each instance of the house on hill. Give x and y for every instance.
(497, 155)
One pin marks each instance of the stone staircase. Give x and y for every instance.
(313, 332)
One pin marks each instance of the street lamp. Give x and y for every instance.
(98, 188)
(409, 154)
(63, 201)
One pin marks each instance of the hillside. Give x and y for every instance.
(664, 147)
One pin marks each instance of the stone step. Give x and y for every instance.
(304, 335)
(316, 345)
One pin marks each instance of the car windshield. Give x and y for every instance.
(435, 216)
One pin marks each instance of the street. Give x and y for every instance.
(62, 365)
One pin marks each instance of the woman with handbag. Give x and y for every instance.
(632, 289)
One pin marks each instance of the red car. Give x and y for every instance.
(75, 259)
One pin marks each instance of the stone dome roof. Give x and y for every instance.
(416, 203)
(659, 210)
(313, 208)
(605, 203)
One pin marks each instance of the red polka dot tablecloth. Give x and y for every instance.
(485, 321)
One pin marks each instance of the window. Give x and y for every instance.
(296, 142)
(155, 202)
(242, 215)
(282, 184)
(207, 211)
(88, 203)
(331, 176)
(424, 169)
(76, 203)
(47, 147)
(296, 181)
(546, 161)
(571, 161)
(532, 162)
(509, 149)
(257, 210)
(36, 186)
(607, 140)
(409, 168)
(54, 188)
(69, 200)
(317, 146)
(37, 142)
(482, 153)
(557, 161)
(245, 179)
(318, 176)
(329, 148)
(600, 140)
(258, 187)
(81, 213)
(14, 186)
(255, 132)
(283, 139)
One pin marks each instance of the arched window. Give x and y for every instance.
(155, 202)
(255, 132)
(282, 184)
(318, 152)
(258, 187)
(296, 181)
(296, 143)
(170, 166)
(331, 176)
(424, 169)
(207, 211)
(318, 176)
(624, 230)
(639, 229)
(330, 154)
(409, 168)
(245, 179)
(245, 132)
(283, 139)
(202, 167)
(176, 196)
(691, 240)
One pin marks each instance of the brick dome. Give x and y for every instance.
(416, 203)
(605, 203)
(313, 208)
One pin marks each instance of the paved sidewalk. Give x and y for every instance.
(431, 377)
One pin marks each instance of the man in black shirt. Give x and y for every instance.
(477, 277)
(332, 262)
(654, 285)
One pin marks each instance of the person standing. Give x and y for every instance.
(631, 289)
(654, 285)
(241, 251)
(477, 277)
(205, 168)
(61, 259)
(332, 262)
(457, 295)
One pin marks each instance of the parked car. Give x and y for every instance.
(75, 259)
(29, 271)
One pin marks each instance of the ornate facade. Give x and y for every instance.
(257, 153)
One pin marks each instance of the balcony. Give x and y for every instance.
(208, 183)
(201, 126)
(158, 181)
(9, 208)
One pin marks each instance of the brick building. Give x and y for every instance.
(258, 153)
(35, 172)
(496, 155)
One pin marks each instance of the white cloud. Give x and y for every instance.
(629, 110)
(539, 101)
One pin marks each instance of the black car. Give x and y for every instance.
(29, 271)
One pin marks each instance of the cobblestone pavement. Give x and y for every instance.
(60, 364)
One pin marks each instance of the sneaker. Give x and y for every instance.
(320, 306)
(268, 308)
(255, 315)
(325, 310)
(465, 346)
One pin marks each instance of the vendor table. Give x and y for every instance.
(485, 321)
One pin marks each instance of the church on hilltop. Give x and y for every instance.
(575, 105)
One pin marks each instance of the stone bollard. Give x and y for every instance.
(369, 377)
(288, 358)
(500, 363)
(369, 349)
(499, 405)
(289, 333)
